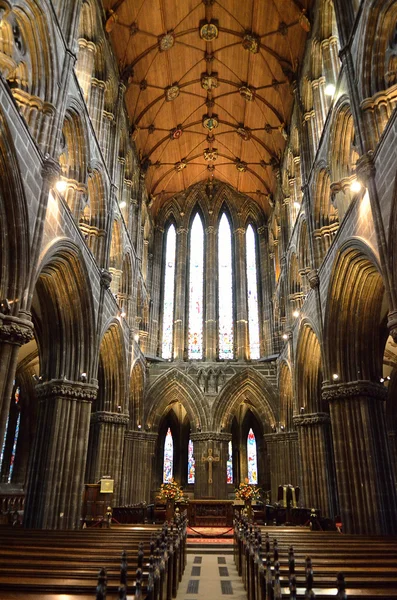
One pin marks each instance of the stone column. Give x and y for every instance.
(180, 293)
(366, 489)
(14, 332)
(318, 478)
(96, 105)
(210, 324)
(283, 452)
(58, 457)
(241, 343)
(218, 442)
(85, 65)
(138, 464)
(105, 453)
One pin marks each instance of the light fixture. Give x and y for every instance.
(123, 313)
(123, 204)
(136, 337)
(329, 89)
(282, 427)
(381, 380)
(119, 408)
(297, 205)
(285, 336)
(302, 410)
(61, 186)
(335, 376)
(388, 378)
(5, 306)
(83, 377)
(295, 313)
(355, 186)
(139, 426)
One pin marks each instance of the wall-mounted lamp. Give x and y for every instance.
(285, 336)
(329, 89)
(302, 410)
(355, 186)
(139, 426)
(123, 204)
(335, 376)
(136, 337)
(295, 313)
(297, 205)
(5, 306)
(119, 409)
(61, 186)
(83, 377)
(123, 313)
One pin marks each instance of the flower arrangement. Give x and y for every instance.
(247, 491)
(171, 491)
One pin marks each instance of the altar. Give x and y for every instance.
(210, 513)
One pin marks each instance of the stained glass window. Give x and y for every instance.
(4, 443)
(252, 289)
(14, 445)
(191, 463)
(168, 303)
(229, 464)
(225, 289)
(251, 456)
(168, 470)
(196, 270)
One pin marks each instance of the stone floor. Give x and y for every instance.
(210, 576)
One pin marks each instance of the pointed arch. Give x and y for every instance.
(137, 390)
(286, 396)
(309, 373)
(175, 386)
(354, 330)
(249, 387)
(112, 370)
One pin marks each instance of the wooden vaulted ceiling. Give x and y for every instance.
(209, 102)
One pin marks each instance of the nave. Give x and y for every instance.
(154, 562)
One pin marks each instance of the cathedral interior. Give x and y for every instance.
(198, 225)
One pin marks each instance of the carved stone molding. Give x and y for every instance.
(311, 419)
(365, 167)
(351, 389)
(211, 436)
(14, 330)
(281, 437)
(106, 278)
(313, 278)
(110, 417)
(141, 436)
(70, 390)
(50, 170)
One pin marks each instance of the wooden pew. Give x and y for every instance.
(369, 563)
(67, 562)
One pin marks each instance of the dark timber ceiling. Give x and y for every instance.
(209, 87)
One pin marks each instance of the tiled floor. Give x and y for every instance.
(211, 577)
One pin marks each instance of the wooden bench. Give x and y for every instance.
(67, 562)
(369, 563)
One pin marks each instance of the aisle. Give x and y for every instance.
(210, 576)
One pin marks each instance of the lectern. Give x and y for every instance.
(97, 497)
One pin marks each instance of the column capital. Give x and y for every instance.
(365, 167)
(14, 330)
(351, 389)
(310, 419)
(313, 278)
(110, 417)
(70, 390)
(106, 278)
(211, 436)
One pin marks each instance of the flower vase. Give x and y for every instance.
(169, 510)
(248, 508)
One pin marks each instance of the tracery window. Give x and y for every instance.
(168, 465)
(196, 287)
(225, 289)
(229, 464)
(12, 429)
(16, 434)
(252, 458)
(169, 293)
(252, 290)
(191, 464)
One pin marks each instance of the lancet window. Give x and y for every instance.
(252, 290)
(229, 464)
(169, 293)
(196, 288)
(191, 464)
(168, 468)
(252, 458)
(225, 289)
